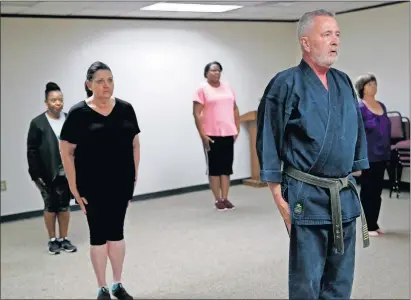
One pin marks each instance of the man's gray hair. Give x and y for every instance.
(306, 21)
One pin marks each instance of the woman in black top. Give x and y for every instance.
(101, 152)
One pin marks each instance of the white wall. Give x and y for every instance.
(378, 41)
(157, 66)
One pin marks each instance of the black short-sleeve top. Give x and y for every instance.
(104, 159)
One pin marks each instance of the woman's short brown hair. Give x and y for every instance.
(362, 81)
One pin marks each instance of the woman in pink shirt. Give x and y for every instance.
(218, 123)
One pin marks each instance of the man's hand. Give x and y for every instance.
(282, 205)
(206, 142)
(357, 173)
(284, 209)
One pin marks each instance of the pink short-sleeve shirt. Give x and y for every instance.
(218, 113)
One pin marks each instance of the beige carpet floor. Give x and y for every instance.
(180, 247)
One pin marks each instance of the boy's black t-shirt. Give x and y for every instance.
(104, 159)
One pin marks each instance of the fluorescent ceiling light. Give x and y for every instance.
(186, 7)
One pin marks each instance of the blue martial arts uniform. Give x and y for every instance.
(320, 132)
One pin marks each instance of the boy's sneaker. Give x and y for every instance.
(228, 204)
(103, 294)
(120, 293)
(67, 246)
(54, 247)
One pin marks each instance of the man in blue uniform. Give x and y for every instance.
(310, 139)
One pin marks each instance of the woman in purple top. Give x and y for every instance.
(378, 130)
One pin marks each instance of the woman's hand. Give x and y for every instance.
(82, 202)
(206, 142)
(135, 182)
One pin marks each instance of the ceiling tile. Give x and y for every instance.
(101, 12)
(113, 8)
(13, 7)
(120, 5)
(18, 2)
(11, 10)
(56, 7)
(293, 11)
(273, 10)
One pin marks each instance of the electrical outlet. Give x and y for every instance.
(3, 186)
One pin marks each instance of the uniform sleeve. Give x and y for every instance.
(361, 154)
(136, 127)
(71, 129)
(270, 132)
(33, 144)
(199, 96)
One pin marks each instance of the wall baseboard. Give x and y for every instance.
(76, 207)
(404, 186)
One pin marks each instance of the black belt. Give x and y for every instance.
(335, 185)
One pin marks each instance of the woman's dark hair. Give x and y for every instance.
(88, 91)
(362, 81)
(96, 66)
(208, 66)
(51, 87)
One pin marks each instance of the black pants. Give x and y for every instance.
(220, 157)
(371, 182)
(105, 217)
